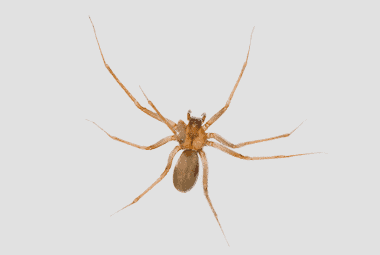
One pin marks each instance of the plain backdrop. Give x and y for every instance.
(62, 177)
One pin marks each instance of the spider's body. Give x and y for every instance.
(191, 138)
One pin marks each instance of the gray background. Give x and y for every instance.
(61, 177)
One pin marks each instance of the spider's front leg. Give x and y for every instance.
(150, 113)
(218, 114)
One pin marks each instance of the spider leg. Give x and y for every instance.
(227, 143)
(150, 113)
(205, 188)
(151, 147)
(235, 154)
(162, 117)
(218, 114)
(170, 160)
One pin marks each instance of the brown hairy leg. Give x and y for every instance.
(205, 187)
(235, 154)
(170, 160)
(150, 113)
(218, 114)
(231, 145)
(151, 147)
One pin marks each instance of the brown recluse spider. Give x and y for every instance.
(192, 137)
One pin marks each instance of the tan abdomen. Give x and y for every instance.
(186, 171)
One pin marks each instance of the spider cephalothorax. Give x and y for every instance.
(192, 137)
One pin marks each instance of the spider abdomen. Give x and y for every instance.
(186, 171)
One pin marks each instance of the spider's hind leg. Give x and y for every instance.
(205, 188)
(170, 160)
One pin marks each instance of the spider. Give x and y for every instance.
(192, 137)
